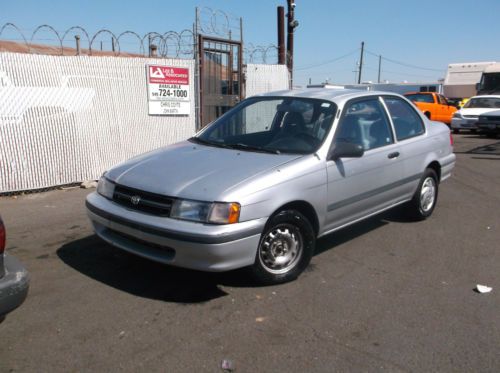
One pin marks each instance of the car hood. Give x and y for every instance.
(476, 111)
(492, 113)
(194, 171)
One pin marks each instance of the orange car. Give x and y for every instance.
(433, 105)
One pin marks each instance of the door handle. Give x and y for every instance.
(393, 155)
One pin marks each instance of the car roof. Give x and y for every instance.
(419, 93)
(335, 95)
(485, 96)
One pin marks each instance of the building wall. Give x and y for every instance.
(66, 119)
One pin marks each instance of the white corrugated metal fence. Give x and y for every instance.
(65, 119)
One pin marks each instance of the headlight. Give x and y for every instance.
(105, 187)
(457, 115)
(206, 212)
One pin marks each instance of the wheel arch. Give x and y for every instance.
(434, 165)
(305, 208)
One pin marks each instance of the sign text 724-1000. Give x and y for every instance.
(168, 90)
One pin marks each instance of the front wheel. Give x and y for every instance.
(285, 249)
(424, 200)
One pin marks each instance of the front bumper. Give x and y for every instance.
(175, 242)
(13, 285)
(466, 124)
(489, 126)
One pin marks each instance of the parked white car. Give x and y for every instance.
(466, 118)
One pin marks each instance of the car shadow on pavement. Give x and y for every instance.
(349, 233)
(145, 278)
(489, 149)
(394, 215)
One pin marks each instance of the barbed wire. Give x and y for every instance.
(169, 44)
(216, 22)
(260, 53)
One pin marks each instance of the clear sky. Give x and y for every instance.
(428, 34)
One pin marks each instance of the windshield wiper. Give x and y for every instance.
(234, 146)
(253, 147)
(209, 143)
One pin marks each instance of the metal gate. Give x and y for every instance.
(220, 76)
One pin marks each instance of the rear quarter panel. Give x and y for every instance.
(419, 152)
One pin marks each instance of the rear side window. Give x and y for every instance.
(407, 122)
(420, 97)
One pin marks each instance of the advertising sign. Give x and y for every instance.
(168, 90)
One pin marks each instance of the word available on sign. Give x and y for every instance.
(168, 90)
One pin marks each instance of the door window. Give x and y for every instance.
(442, 100)
(407, 122)
(365, 123)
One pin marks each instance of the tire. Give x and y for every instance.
(428, 115)
(424, 200)
(289, 235)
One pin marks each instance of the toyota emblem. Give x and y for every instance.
(135, 200)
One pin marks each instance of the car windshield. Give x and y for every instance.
(483, 102)
(419, 97)
(272, 124)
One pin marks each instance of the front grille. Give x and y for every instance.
(471, 116)
(135, 199)
(491, 118)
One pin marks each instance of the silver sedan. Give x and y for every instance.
(258, 186)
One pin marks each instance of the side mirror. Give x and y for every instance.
(346, 150)
(478, 86)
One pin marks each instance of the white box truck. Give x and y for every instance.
(462, 79)
(490, 80)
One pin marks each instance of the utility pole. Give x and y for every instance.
(361, 61)
(281, 36)
(379, 66)
(292, 24)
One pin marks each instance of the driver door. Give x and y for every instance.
(361, 186)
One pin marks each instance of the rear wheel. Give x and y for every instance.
(285, 248)
(427, 114)
(424, 200)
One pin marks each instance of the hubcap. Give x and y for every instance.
(281, 249)
(427, 194)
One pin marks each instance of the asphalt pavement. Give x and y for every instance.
(386, 294)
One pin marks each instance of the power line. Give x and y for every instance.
(328, 61)
(404, 63)
(399, 73)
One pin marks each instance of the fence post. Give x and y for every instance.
(77, 39)
(153, 50)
